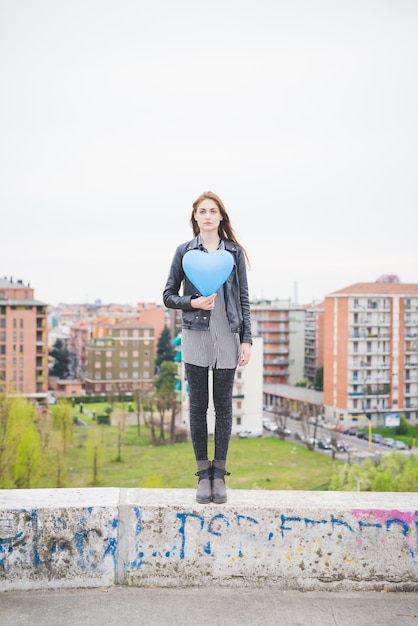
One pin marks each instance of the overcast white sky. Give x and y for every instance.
(116, 114)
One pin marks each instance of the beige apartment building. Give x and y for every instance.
(371, 352)
(90, 324)
(23, 341)
(120, 358)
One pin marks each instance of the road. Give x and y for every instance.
(358, 449)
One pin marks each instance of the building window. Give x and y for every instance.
(135, 333)
(97, 364)
(108, 375)
(135, 353)
(97, 376)
(135, 375)
(108, 353)
(108, 364)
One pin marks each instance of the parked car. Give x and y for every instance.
(341, 446)
(324, 445)
(350, 431)
(283, 431)
(377, 438)
(362, 435)
(325, 438)
(400, 445)
(250, 433)
(270, 426)
(299, 435)
(389, 442)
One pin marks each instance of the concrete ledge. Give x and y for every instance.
(57, 538)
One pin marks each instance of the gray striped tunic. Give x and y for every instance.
(218, 347)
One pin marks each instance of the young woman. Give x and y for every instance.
(216, 335)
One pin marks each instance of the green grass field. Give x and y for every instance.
(265, 463)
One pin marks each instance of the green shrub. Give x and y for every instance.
(402, 429)
(103, 418)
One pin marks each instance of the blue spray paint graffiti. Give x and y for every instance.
(246, 530)
(51, 543)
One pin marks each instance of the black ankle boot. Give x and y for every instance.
(218, 482)
(204, 488)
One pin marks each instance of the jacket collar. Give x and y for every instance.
(195, 244)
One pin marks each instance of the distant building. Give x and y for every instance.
(64, 388)
(371, 352)
(87, 322)
(23, 341)
(281, 324)
(314, 340)
(121, 358)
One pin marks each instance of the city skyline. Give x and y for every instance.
(115, 116)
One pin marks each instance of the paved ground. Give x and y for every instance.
(206, 607)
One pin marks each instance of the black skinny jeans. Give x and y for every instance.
(223, 383)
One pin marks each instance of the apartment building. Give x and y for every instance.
(120, 358)
(314, 340)
(281, 324)
(87, 322)
(371, 352)
(23, 341)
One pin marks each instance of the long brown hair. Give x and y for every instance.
(225, 230)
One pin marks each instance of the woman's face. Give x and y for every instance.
(208, 216)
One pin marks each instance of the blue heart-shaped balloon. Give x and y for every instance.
(207, 270)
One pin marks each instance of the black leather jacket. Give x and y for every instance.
(235, 292)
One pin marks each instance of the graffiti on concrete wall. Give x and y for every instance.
(77, 541)
(236, 537)
(83, 543)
